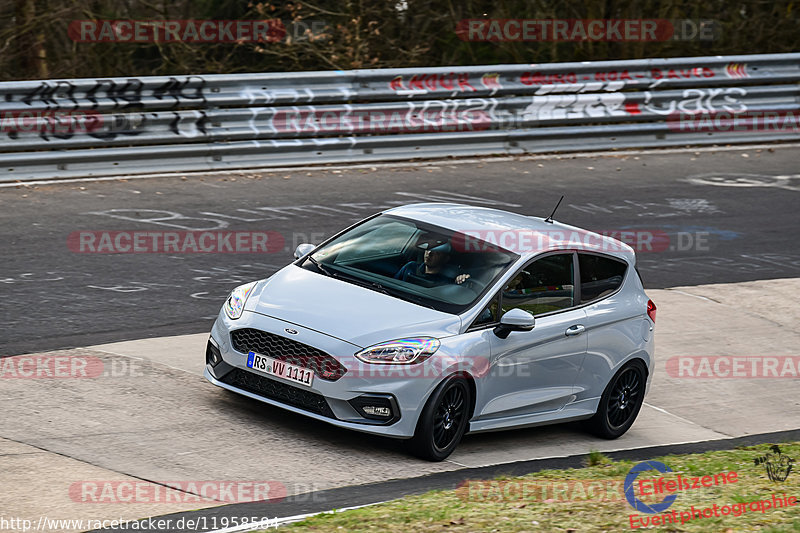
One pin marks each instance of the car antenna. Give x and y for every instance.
(550, 218)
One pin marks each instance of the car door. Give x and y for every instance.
(534, 371)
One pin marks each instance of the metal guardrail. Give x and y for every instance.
(120, 126)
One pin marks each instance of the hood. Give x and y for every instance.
(346, 311)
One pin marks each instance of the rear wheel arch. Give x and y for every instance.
(601, 424)
(640, 360)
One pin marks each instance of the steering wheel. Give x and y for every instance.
(535, 280)
(471, 284)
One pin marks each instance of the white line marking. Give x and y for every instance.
(138, 358)
(692, 295)
(721, 436)
(660, 410)
(407, 164)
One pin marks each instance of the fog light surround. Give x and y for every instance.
(213, 355)
(381, 408)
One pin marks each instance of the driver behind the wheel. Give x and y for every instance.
(431, 269)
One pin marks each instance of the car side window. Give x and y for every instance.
(600, 276)
(544, 286)
(488, 316)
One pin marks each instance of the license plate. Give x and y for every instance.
(282, 369)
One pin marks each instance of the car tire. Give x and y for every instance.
(621, 401)
(443, 420)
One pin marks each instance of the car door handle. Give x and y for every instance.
(577, 329)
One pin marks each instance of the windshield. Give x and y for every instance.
(417, 262)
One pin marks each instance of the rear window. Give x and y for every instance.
(600, 276)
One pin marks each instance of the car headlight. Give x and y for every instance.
(400, 351)
(234, 305)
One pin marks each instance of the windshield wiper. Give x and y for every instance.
(320, 267)
(373, 285)
(404, 296)
(380, 287)
(415, 299)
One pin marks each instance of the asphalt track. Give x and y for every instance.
(730, 216)
(150, 420)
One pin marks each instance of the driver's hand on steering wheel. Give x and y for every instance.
(461, 278)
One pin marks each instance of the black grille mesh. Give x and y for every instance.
(284, 349)
(278, 391)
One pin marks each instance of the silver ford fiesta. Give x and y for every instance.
(428, 321)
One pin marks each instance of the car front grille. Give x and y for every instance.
(278, 391)
(323, 365)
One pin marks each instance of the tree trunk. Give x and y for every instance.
(30, 40)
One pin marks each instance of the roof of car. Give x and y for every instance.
(521, 234)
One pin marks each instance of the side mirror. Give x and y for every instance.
(514, 320)
(303, 250)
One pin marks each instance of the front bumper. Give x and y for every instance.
(338, 402)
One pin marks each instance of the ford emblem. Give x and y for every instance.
(290, 331)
